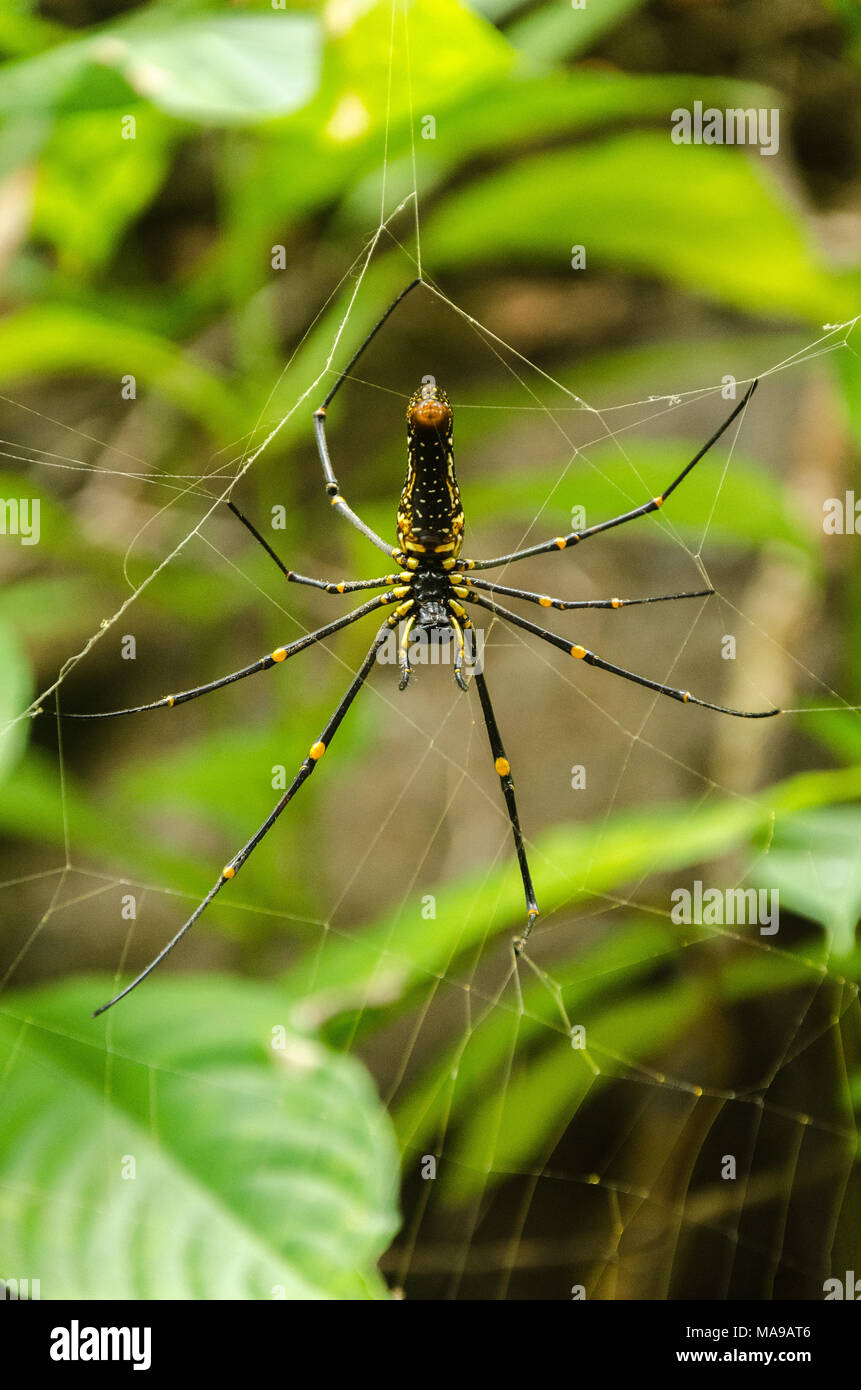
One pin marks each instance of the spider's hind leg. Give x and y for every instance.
(503, 770)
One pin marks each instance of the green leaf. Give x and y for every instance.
(214, 68)
(44, 339)
(627, 199)
(258, 1167)
(91, 184)
(557, 30)
(390, 957)
(835, 728)
(814, 862)
(15, 687)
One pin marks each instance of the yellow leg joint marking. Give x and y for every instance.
(616, 602)
(457, 609)
(338, 498)
(279, 654)
(561, 542)
(413, 563)
(578, 651)
(532, 912)
(461, 590)
(448, 564)
(341, 587)
(317, 751)
(686, 696)
(502, 766)
(658, 501)
(401, 591)
(228, 871)
(545, 601)
(171, 701)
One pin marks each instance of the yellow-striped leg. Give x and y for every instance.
(503, 771)
(654, 503)
(231, 869)
(583, 654)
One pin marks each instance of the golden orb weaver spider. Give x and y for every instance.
(427, 593)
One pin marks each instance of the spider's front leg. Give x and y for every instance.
(654, 504)
(348, 586)
(333, 491)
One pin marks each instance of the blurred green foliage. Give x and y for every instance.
(275, 121)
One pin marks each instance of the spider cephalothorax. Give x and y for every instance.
(428, 592)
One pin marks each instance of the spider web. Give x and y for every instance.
(556, 1167)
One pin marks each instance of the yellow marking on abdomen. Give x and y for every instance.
(502, 766)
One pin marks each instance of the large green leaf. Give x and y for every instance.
(557, 29)
(573, 864)
(62, 339)
(15, 686)
(815, 864)
(219, 68)
(704, 216)
(264, 1165)
(91, 185)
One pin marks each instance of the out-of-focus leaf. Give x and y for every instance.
(60, 339)
(271, 1170)
(91, 184)
(838, 729)
(219, 68)
(815, 864)
(15, 686)
(354, 96)
(627, 199)
(558, 30)
(390, 957)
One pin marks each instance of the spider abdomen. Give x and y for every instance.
(430, 516)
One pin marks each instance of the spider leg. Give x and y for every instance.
(231, 869)
(575, 537)
(264, 664)
(583, 654)
(333, 491)
(503, 769)
(464, 584)
(328, 586)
